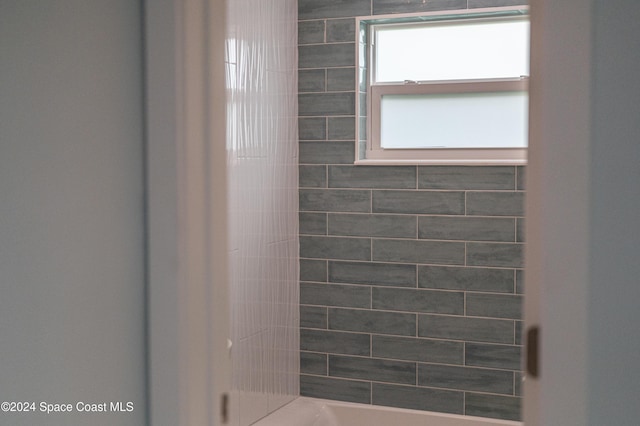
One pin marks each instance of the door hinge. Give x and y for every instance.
(224, 408)
(533, 351)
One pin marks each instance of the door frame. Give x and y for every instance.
(188, 359)
(558, 231)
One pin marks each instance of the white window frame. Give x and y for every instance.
(374, 153)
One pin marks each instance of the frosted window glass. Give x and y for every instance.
(452, 51)
(466, 120)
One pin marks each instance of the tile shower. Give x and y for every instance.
(263, 186)
(411, 276)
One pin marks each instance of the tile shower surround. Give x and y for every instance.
(262, 169)
(411, 276)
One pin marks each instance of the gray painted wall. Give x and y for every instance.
(411, 277)
(614, 206)
(71, 209)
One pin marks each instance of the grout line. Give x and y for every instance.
(326, 266)
(326, 82)
(464, 353)
(464, 303)
(330, 43)
(370, 392)
(326, 230)
(324, 30)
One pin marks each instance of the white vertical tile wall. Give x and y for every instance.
(263, 174)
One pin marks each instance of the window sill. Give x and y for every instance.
(441, 162)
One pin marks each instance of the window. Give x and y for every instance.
(444, 89)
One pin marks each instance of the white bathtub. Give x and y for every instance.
(319, 412)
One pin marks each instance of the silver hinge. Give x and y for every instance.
(533, 352)
(224, 408)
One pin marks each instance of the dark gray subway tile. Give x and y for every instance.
(326, 152)
(327, 55)
(372, 321)
(327, 131)
(418, 202)
(335, 248)
(519, 326)
(413, 300)
(506, 357)
(313, 9)
(313, 223)
(313, 270)
(341, 30)
(312, 176)
(313, 317)
(335, 200)
(495, 203)
(383, 7)
(341, 79)
(310, 32)
(413, 251)
(520, 281)
(313, 363)
(334, 342)
(521, 174)
(311, 81)
(336, 389)
(465, 278)
(495, 254)
(462, 328)
(520, 227)
(314, 128)
(465, 378)
(493, 406)
(466, 228)
(518, 384)
(342, 128)
(372, 274)
(444, 401)
(383, 177)
(334, 103)
(494, 305)
(473, 4)
(415, 349)
(379, 370)
(467, 177)
(351, 296)
(373, 225)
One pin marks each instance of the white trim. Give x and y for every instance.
(395, 16)
(469, 19)
(375, 155)
(447, 160)
(438, 156)
(558, 226)
(186, 211)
